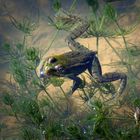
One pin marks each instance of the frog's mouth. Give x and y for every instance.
(48, 72)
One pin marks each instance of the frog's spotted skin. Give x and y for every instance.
(75, 62)
(73, 45)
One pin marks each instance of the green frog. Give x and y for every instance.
(71, 64)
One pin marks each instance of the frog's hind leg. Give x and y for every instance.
(72, 43)
(109, 77)
(96, 71)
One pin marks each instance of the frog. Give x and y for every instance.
(76, 61)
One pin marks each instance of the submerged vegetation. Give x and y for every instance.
(41, 115)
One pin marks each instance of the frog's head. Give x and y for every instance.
(51, 67)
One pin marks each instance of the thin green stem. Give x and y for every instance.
(53, 39)
(48, 95)
(96, 20)
(15, 114)
(52, 99)
(86, 95)
(102, 21)
(24, 40)
(97, 44)
(72, 6)
(62, 91)
(127, 65)
(125, 42)
(65, 97)
(113, 49)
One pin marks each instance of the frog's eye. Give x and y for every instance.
(52, 60)
(59, 68)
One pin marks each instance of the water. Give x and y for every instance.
(41, 38)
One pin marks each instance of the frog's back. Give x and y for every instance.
(75, 57)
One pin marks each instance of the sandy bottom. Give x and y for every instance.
(106, 56)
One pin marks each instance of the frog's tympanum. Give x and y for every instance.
(77, 61)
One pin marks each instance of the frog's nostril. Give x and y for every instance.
(41, 74)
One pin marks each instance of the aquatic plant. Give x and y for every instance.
(40, 115)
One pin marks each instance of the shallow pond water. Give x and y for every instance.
(45, 36)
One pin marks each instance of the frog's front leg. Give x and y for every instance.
(96, 71)
(76, 83)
